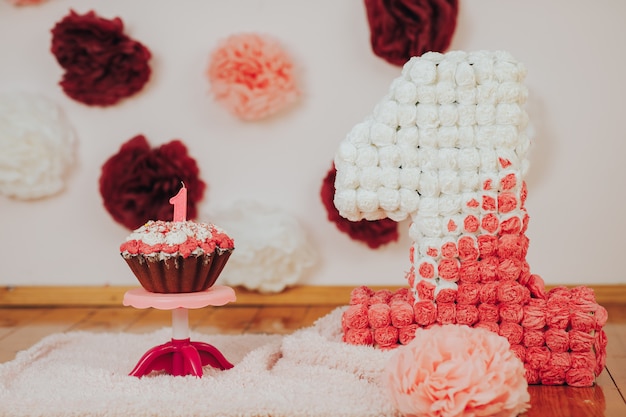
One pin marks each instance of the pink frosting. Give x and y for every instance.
(176, 238)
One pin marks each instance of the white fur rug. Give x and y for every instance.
(308, 373)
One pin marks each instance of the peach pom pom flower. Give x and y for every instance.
(455, 370)
(252, 76)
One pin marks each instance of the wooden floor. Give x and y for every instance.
(21, 327)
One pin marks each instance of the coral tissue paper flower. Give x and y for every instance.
(252, 76)
(102, 65)
(36, 146)
(273, 249)
(373, 233)
(401, 29)
(137, 183)
(455, 370)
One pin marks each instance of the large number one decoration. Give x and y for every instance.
(448, 147)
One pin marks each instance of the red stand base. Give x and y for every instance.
(180, 358)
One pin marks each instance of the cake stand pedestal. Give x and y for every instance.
(180, 356)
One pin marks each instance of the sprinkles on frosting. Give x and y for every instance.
(164, 239)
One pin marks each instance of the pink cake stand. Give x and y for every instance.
(180, 356)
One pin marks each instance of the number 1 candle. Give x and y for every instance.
(180, 205)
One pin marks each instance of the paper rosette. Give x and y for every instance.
(401, 29)
(137, 182)
(36, 146)
(102, 64)
(252, 76)
(273, 249)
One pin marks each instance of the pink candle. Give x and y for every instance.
(180, 205)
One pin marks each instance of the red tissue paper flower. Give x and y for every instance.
(137, 183)
(401, 29)
(373, 233)
(102, 65)
(252, 76)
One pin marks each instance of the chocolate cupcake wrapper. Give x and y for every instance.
(178, 274)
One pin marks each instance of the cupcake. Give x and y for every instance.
(177, 257)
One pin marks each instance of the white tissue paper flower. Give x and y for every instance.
(272, 250)
(36, 146)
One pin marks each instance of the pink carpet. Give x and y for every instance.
(308, 373)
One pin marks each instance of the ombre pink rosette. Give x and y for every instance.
(381, 296)
(386, 337)
(355, 317)
(447, 295)
(511, 312)
(468, 293)
(446, 313)
(252, 76)
(559, 339)
(379, 315)
(488, 313)
(401, 314)
(407, 333)
(513, 332)
(425, 290)
(466, 314)
(534, 338)
(358, 337)
(361, 295)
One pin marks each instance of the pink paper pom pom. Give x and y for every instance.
(358, 337)
(466, 314)
(379, 315)
(512, 331)
(361, 295)
(534, 315)
(557, 340)
(402, 314)
(582, 320)
(455, 370)
(537, 356)
(425, 312)
(446, 313)
(355, 317)
(381, 296)
(386, 337)
(580, 377)
(468, 293)
(407, 333)
(252, 76)
(534, 337)
(511, 312)
(580, 341)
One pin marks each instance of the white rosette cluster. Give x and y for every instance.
(440, 147)
(273, 249)
(36, 146)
